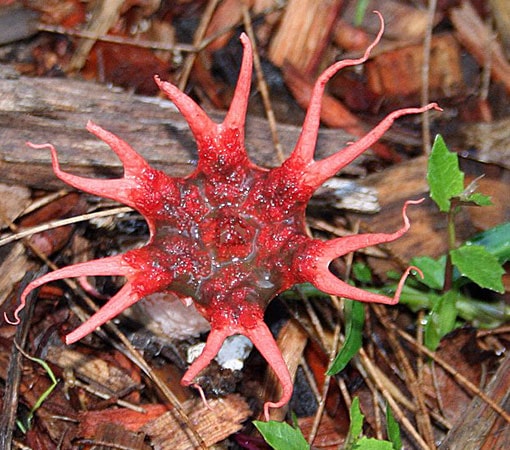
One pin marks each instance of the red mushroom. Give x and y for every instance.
(231, 235)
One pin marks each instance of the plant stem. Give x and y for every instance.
(448, 275)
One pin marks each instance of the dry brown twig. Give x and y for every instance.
(261, 83)
(425, 76)
(422, 416)
(105, 14)
(17, 235)
(197, 39)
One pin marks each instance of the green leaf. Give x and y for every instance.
(281, 436)
(393, 274)
(362, 272)
(441, 319)
(470, 196)
(444, 177)
(481, 267)
(356, 424)
(372, 444)
(433, 270)
(495, 240)
(393, 429)
(479, 199)
(355, 440)
(354, 319)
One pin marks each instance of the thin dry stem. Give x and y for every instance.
(325, 387)
(105, 14)
(310, 379)
(425, 75)
(422, 416)
(124, 40)
(62, 222)
(103, 394)
(261, 83)
(334, 348)
(461, 379)
(399, 414)
(198, 37)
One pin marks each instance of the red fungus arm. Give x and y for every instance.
(320, 171)
(266, 345)
(305, 146)
(199, 122)
(122, 300)
(119, 189)
(132, 162)
(226, 234)
(236, 115)
(314, 267)
(114, 265)
(327, 282)
(211, 349)
(347, 244)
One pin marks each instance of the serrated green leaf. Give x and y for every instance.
(495, 240)
(479, 199)
(372, 444)
(433, 270)
(444, 177)
(354, 319)
(480, 266)
(281, 436)
(393, 429)
(441, 319)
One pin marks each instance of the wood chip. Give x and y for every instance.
(89, 421)
(477, 426)
(397, 73)
(224, 418)
(491, 141)
(109, 435)
(477, 38)
(403, 21)
(13, 268)
(15, 199)
(91, 369)
(328, 437)
(304, 33)
(13, 261)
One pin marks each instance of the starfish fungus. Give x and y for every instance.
(230, 236)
